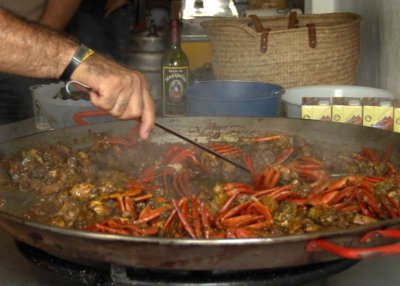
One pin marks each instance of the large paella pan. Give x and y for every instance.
(163, 204)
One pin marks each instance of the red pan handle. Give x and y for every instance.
(359, 253)
(78, 117)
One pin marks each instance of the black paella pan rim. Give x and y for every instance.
(202, 242)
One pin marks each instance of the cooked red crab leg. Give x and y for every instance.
(370, 154)
(233, 187)
(260, 225)
(263, 210)
(129, 207)
(241, 220)
(249, 164)
(168, 222)
(228, 204)
(188, 154)
(239, 232)
(266, 139)
(122, 227)
(184, 219)
(103, 228)
(148, 214)
(387, 153)
(391, 212)
(392, 171)
(285, 154)
(172, 152)
(394, 203)
(142, 198)
(346, 202)
(196, 217)
(273, 191)
(235, 210)
(343, 182)
(338, 196)
(205, 220)
(271, 178)
(225, 148)
(121, 204)
(310, 159)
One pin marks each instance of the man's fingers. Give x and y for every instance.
(148, 116)
(104, 100)
(134, 103)
(124, 104)
(134, 108)
(94, 98)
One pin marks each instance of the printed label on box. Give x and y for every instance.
(347, 110)
(396, 116)
(316, 108)
(396, 126)
(378, 113)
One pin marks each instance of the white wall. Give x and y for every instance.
(319, 6)
(379, 64)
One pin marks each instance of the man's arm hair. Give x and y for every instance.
(29, 49)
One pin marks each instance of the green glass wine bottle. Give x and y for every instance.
(175, 75)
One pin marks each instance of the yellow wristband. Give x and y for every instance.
(87, 55)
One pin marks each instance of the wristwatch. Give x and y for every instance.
(81, 54)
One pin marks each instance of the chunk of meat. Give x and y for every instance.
(82, 191)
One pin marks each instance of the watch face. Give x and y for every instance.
(80, 53)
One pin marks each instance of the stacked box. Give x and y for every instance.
(396, 116)
(378, 112)
(316, 108)
(347, 110)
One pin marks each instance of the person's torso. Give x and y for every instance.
(29, 9)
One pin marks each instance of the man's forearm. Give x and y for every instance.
(28, 49)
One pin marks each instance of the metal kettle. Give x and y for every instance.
(153, 40)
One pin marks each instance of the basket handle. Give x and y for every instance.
(264, 33)
(312, 35)
(293, 23)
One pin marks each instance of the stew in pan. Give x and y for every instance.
(131, 187)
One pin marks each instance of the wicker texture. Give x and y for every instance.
(289, 60)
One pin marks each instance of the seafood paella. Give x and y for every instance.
(121, 185)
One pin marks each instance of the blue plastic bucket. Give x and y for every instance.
(233, 98)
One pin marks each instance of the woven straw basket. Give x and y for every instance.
(286, 50)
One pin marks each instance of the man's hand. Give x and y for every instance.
(123, 93)
(31, 50)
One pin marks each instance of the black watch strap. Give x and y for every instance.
(81, 54)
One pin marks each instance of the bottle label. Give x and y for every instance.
(175, 82)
